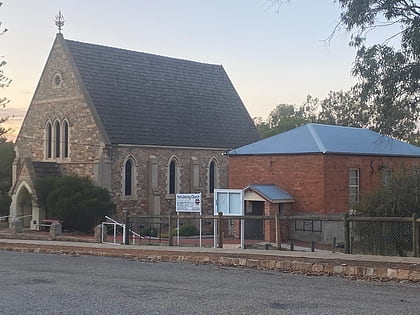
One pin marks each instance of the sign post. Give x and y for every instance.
(230, 202)
(188, 203)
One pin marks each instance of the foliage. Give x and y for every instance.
(74, 200)
(4, 82)
(188, 230)
(344, 109)
(7, 155)
(387, 91)
(285, 117)
(399, 197)
(388, 78)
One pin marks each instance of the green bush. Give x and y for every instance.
(188, 230)
(76, 201)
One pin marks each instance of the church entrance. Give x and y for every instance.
(24, 207)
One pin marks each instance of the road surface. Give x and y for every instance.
(53, 284)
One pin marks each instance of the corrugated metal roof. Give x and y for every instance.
(271, 193)
(328, 139)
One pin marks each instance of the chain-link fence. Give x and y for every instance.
(382, 238)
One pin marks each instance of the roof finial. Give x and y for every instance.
(59, 21)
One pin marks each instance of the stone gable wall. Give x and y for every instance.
(65, 101)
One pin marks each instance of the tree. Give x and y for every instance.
(388, 84)
(4, 82)
(285, 117)
(75, 200)
(7, 154)
(344, 109)
(398, 197)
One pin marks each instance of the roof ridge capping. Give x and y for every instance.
(316, 137)
(140, 52)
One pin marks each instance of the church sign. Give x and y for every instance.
(188, 202)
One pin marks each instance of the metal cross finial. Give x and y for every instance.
(59, 21)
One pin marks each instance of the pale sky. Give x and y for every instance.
(272, 56)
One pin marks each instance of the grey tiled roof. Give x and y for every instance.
(43, 169)
(154, 100)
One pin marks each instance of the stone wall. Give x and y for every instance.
(151, 189)
(56, 102)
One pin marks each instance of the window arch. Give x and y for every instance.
(129, 175)
(213, 176)
(66, 142)
(57, 139)
(173, 176)
(48, 140)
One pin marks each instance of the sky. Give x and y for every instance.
(273, 55)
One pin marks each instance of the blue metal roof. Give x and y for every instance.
(317, 138)
(271, 193)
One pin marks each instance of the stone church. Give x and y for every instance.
(143, 126)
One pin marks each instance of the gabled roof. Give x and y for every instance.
(328, 139)
(271, 193)
(154, 100)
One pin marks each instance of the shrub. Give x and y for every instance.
(76, 201)
(188, 230)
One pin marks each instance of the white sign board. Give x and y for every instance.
(229, 201)
(188, 202)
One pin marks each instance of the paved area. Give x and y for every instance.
(62, 284)
(322, 262)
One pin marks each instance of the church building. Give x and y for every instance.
(143, 126)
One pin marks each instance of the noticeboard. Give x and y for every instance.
(188, 202)
(229, 201)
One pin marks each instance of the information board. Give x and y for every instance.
(188, 202)
(228, 201)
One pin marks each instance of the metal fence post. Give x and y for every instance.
(346, 234)
(219, 230)
(170, 241)
(415, 236)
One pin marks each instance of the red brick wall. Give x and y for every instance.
(318, 182)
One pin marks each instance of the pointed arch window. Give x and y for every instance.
(129, 183)
(65, 139)
(48, 140)
(57, 139)
(173, 173)
(212, 176)
(128, 180)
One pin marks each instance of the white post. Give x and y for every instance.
(123, 226)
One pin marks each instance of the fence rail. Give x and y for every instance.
(360, 234)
